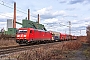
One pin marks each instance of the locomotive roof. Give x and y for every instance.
(33, 29)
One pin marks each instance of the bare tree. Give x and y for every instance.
(88, 33)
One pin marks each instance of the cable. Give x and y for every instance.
(17, 10)
(6, 16)
(21, 11)
(6, 6)
(59, 23)
(13, 8)
(6, 2)
(9, 4)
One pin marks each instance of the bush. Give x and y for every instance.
(88, 34)
(51, 52)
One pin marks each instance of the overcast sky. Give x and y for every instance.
(53, 14)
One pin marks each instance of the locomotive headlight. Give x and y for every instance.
(18, 35)
(24, 35)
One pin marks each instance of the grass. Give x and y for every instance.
(7, 43)
(51, 52)
(87, 52)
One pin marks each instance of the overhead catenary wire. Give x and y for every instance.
(11, 5)
(18, 9)
(12, 8)
(6, 16)
(2, 14)
(6, 5)
(9, 17)
(58, 24)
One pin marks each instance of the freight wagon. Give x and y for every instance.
(61, 36)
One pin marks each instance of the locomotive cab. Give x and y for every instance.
(23, 35)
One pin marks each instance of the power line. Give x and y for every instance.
(6, 16)
(6, 5)
(6, 2)
(10, 4)
(11, 7)
(3, 3)
(21, 12)
(58, 23)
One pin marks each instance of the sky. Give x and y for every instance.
(54, 14)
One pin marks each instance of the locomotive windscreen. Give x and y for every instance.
(22, 31)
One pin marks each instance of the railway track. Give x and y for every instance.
(9, 47)
(13, 49)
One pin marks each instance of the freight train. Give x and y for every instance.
(29, 35)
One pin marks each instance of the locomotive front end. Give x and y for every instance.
(21, 36)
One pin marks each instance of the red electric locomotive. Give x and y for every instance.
(28, 35)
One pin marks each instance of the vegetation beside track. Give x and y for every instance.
(7, 42)
(87, 52)
(65, 50)
(55, 51)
